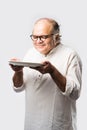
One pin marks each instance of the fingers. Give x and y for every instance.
(14, 59)
(45, 62)
(45, 68)
(16, 68)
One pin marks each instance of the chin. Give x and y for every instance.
(40, 49)
(42, 52)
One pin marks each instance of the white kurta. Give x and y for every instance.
(47, 108)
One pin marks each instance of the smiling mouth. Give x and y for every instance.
(40, 45)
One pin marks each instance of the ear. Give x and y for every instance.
(57, 38)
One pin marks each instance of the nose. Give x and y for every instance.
(39, 40)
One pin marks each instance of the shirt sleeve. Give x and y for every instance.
(73, 77)
(18, 89)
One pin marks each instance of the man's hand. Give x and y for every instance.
(15, 67)
(46, 67)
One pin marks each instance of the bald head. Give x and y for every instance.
(54, 26)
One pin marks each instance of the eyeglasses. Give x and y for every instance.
(42, 37)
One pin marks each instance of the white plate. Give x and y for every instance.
(25, 64)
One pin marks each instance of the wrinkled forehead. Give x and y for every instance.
(42, 27)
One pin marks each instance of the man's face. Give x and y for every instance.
(43, 45)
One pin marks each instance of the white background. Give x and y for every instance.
(16, 20)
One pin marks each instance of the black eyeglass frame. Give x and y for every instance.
(42, 37)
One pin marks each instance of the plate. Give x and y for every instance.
(25, 64)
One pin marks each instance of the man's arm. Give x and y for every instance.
(59, 79)
(18, 78)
